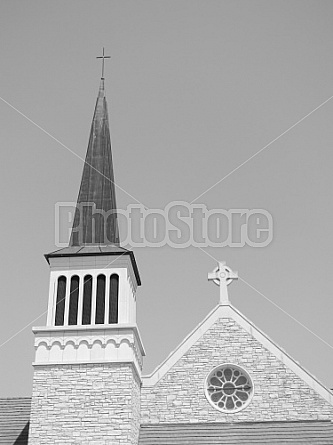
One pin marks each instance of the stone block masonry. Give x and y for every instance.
(279, 394)
(85, 404)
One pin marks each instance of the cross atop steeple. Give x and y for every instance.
(222, 275)
(103, 57)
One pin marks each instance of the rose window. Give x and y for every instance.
(229, 388)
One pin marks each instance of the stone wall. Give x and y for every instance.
(279, 394)
(87, 404)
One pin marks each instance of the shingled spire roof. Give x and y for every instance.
(95, 227)
(95, 220)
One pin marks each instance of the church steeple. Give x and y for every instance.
(90, 347)
(107, 296)
(95, 220)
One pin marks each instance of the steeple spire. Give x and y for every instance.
(95, 220)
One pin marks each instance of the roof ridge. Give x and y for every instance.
(212, 424)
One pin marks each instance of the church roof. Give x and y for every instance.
(302, 432)
(14, 420)
(15, 414)
(97, 191)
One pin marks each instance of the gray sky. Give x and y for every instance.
(194, 89)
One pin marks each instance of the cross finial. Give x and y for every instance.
(103, 57)
(222, 275)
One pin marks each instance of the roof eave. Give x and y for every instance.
(78, 254)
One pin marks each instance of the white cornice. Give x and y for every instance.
(89, 330)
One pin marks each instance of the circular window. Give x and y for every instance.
(229, 388)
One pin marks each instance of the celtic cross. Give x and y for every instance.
(222, 276)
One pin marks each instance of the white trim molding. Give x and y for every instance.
(89, 344)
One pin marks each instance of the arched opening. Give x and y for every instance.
(113, 300)
(73, 300)
(100, 300)
(60, 305)
(87, 293)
